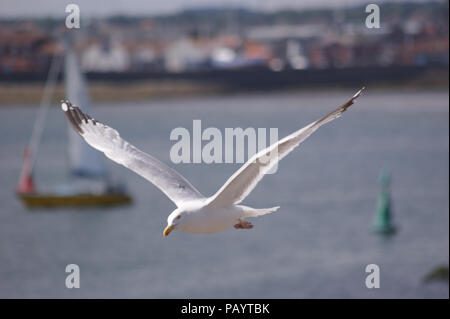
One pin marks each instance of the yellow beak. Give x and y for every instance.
(167, 230)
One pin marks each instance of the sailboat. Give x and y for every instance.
(90, 180)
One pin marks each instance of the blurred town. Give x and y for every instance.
(410, 34)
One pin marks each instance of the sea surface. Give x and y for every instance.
(317, 245)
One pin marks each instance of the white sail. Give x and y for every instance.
(85, 161)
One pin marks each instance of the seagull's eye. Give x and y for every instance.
(178, 217)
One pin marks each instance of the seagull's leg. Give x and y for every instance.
(243, 225)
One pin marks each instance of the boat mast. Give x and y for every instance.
(31, 151)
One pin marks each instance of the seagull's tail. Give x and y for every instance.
(253, 212)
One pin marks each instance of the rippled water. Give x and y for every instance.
(316, 246)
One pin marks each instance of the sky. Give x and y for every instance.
(102, 8)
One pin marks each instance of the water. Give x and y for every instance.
(316, 246)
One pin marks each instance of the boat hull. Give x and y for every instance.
(36, 200)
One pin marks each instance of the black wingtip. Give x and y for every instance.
(72, 116)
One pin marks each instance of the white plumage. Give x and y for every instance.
(196, 213)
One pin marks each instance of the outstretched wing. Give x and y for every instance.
(244, 180)
(108, 141)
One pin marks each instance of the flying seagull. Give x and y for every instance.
(195, 213)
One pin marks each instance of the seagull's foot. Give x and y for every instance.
(243, 225)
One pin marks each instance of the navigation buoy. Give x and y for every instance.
(383, 216)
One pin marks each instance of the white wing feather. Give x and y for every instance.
(108, 141)
(244, 180)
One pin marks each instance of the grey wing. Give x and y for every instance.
(108, 141)
(244, 180)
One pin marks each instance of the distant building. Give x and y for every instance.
(185, 54)
(26, 49)
(411, 36)
(106, 56)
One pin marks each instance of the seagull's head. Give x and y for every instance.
(174, 221)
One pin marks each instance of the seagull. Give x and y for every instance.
(195, 213)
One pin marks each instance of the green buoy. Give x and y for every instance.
(383, 215)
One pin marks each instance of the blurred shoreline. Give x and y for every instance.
(120, 87)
